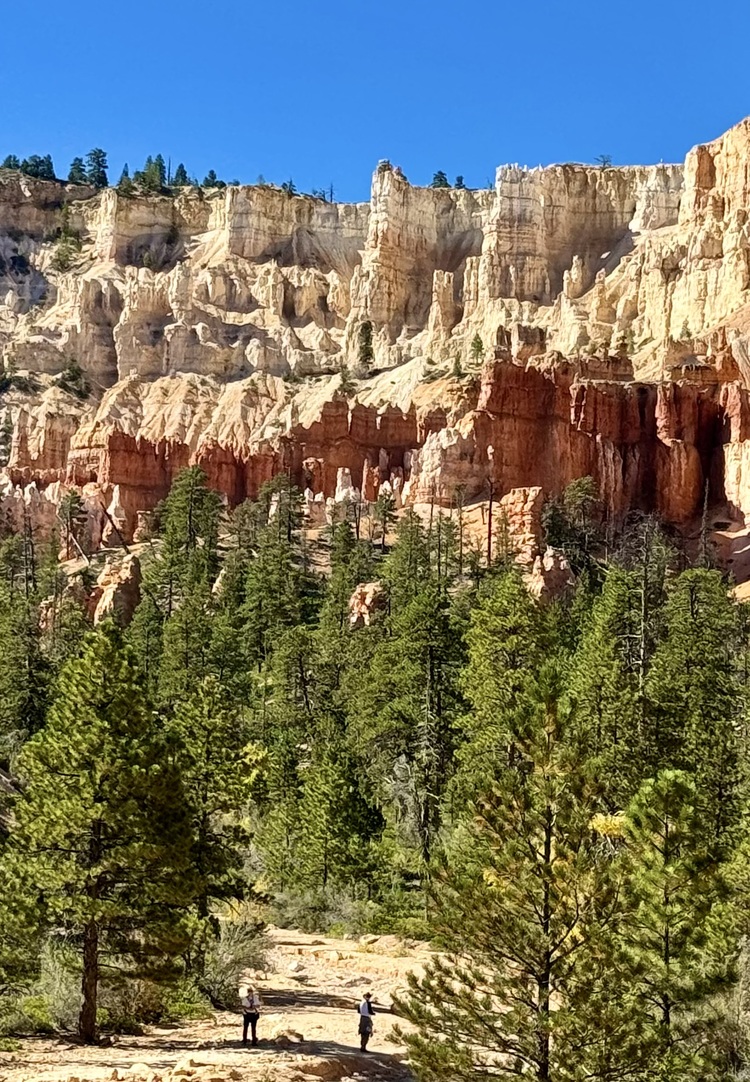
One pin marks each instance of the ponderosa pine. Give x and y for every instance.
(101, 831)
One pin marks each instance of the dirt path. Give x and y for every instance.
(308, 1028)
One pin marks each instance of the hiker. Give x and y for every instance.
(365, 1020)
(251, 1005)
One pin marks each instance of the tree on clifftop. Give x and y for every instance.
(440, 180)
(77, 173)
(181, 178)
(96, 168)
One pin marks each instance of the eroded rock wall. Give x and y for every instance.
(572, 320)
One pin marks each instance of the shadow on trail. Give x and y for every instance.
(304, 998)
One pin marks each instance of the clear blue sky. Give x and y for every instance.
(319, 91)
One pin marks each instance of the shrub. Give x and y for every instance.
(73, 380)
(239, 945)
(366, 353)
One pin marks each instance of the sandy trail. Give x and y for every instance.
(308, 1028)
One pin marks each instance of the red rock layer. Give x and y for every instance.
(648, 446)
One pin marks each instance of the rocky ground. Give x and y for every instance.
(308, 1028)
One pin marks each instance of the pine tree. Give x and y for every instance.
(125, 185)
(506, 641)
(101, 832)
(477, 349)
(440, 180)
(10, 162)
(210, 738)
(77, 174)
(160, 170)
(677, 939)
(186, 645)
(695, 699)
(516, 910)
(366, 353)
(405, 717)
(607, 688)
(96, 168)
(25, 672)
(339, 826)
(39, 167)
(181, 178)
(74, 517)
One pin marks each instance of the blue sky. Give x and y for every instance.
(320, 91)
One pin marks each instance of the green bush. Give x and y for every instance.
(239, 945)
(25, 1015)
(183, 1000)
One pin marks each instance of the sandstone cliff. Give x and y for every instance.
(573, 320)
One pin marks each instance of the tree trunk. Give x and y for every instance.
(89, 983)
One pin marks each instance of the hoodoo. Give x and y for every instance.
(572, 321)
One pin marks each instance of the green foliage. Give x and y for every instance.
(555, 791)
(39, 167)
(516, 911)
(212, 181)
(476, 349)
(440, 180)
(572, 523)
(366, 353)
(77, 173)
(153, 176)
(289, 187)
(102, 838)
(96, 168)
(180, 178)
(125, 185)
(459, 183)
(676, 936)
(11, 161)
(73, 380)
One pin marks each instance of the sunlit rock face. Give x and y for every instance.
(570, 321)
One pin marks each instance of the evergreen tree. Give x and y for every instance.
(212, 181)
(677, 939)
(39, 167)
(24, 670)
(77, 174)
(460, 183)
(74, 517)
(160, 170)
(477, 349)
(405, 721)
(125, 185)
(96, 168)
(210, 739)
(100, 830)
(607, 686)
(181, 178)
(338, 825)
(366, 353)
(695, 699)
(440, 180)
(280, 592)
(10, 162)
(516, 911)
(506, 642)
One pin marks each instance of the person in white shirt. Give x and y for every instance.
(366, 1013)
(251, 1005)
